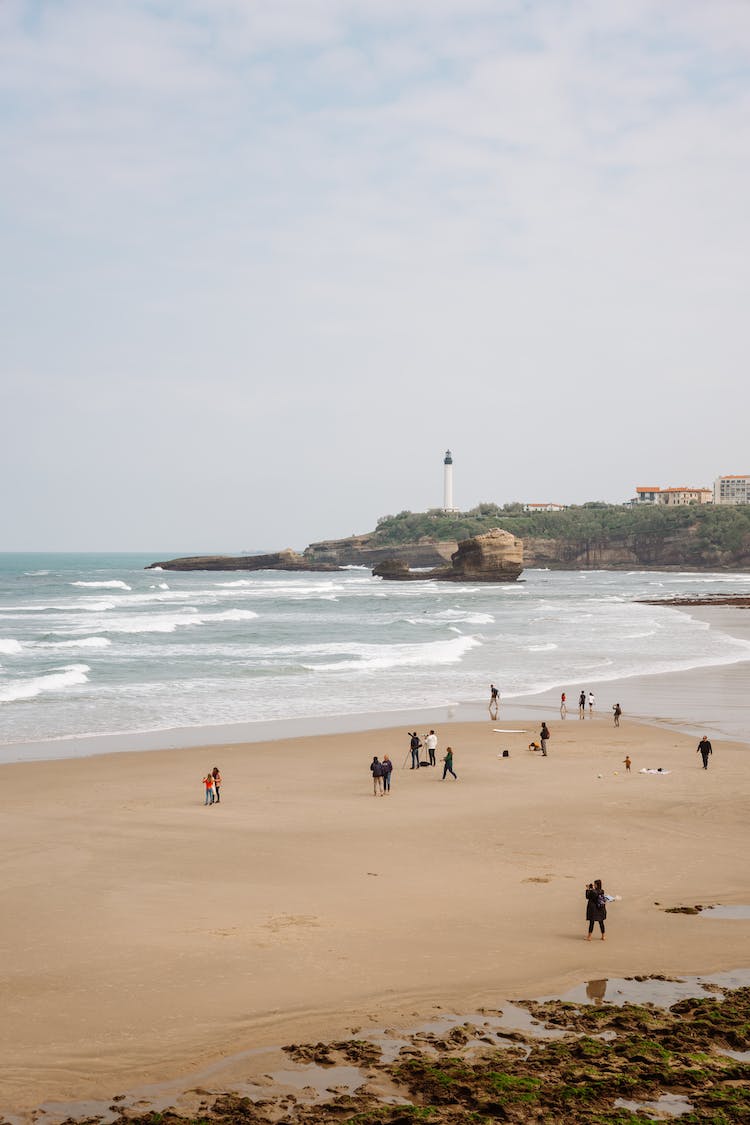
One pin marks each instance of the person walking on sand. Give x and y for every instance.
(627, 763)
(582, 705)
(544, 738)
(448, 768)
(414, 745)
(376, 769)
(705, 749)
(563, 705)
(430, 741)
(596, 907)
(208, 781)
(217, 783)
(592, 701)
(494, 702)
(617, 711)
(387, 767)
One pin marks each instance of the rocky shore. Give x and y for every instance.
(740, 601)
(584, 1064)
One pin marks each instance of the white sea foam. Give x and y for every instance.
(541, 648)
(114, 584)
(231, 615)
(373, 658)
(9, 647)
(72, 675)
(83, 642)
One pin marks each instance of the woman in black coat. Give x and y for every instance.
(596, 907)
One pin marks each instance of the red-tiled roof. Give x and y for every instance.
(736, 476)
(648, 488)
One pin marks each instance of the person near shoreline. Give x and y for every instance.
(387, 767)
(582, 705)
(616, 712)
(494, 702)
(705, 749)
(563, 705)
(208, 782)
(376, 769)
(414, 746)
(544, 738)
(592, 704)
(448, 767)
(627, 763)
(430, 741)
(596, 907)
(216, 775)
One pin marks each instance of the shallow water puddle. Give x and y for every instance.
(651, 990)
(668, 1105)
(735, 913)
(319, 1080)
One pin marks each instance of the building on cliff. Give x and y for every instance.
(732, 490)
(671, 497)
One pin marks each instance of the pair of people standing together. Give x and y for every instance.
(381, 775)
(212, 785)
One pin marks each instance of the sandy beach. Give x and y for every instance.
(147, 936)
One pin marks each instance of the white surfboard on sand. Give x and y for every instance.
(503, 730)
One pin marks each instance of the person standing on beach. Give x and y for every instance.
(448, 768)
(627, 763)
(208, 781)
(430, 742)
(387, 767)
(582, 705)
(494, 702)
(217, 783)
(596, 907)
(414, 745)
(376, 770)
(591, 704)
(617, 709)
(704, 749)
(563, 706)
(544, 738)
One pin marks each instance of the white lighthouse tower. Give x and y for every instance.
(448, 482)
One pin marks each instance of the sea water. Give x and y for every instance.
(94, 644)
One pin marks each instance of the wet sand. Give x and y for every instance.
(147, 936)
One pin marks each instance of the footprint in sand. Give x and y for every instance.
(537, 879)
(278, 923)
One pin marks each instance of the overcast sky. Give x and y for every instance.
(264, 260)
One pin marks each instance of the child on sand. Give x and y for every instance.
(208, 781)
(627, 763)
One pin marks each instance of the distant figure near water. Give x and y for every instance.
(582, 705)
(563, 706)
(544, 738)
(494, 702)
(596, 907)
(617, 711)
(592, 703)
(704, 749)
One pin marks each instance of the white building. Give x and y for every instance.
(544, 507)
(732, 490)
(672, 497)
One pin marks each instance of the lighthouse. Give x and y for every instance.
(448, 482)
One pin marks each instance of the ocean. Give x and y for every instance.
(96, 644)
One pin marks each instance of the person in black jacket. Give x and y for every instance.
(386, 766)
(376, 769)
(704, 749)
(415, 745)
(544, 738)
(596, 907)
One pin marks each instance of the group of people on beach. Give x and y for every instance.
(381, 770)
(212, 785)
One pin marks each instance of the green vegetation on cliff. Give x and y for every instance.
(711, 528)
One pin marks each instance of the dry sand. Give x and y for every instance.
(145, 935)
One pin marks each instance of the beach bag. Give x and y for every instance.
(506, 753)
(601, 900)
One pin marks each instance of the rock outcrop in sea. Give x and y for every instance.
(496, 556)
(277, 560)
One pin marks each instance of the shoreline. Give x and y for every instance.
(157, 935)
(682, 699)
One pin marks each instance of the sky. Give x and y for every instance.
(263, 261)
